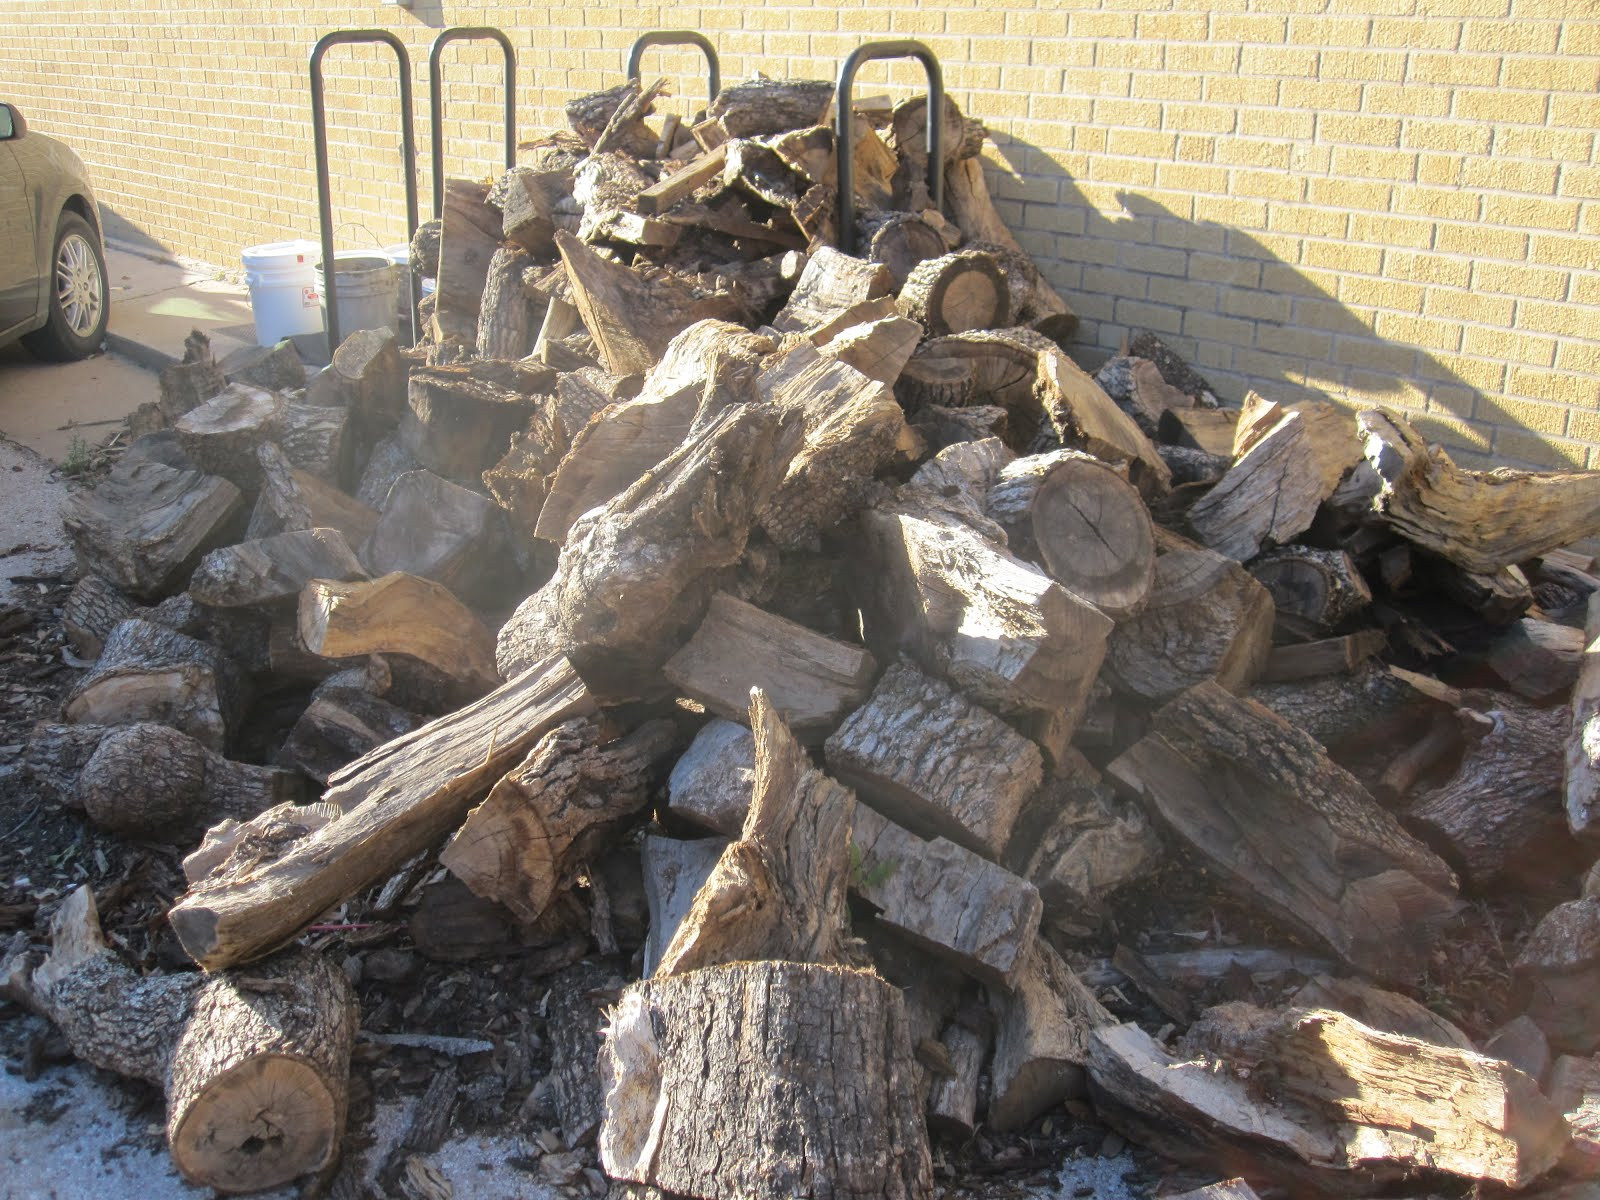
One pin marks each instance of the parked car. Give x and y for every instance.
(54, 295)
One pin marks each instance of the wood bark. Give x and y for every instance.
(1351, 1108)
(1084, 416)
(1558, 971)
(147, 672)
(1268, 497)
(902, 242)
(831, 283)
(765, 106)
(812, 680)
(457, 424)
(1326, 656)
(255, 1065)
(1352, 713)
(397, 614)
(368, 377)
(953, 1095)
(1538, 659)
(292, 499)
(1140, 391)
(576, 1021)
(146, 525)
(93, 608)
(635, 575)
(778, 891)
(957, 292)
(507, 321)
(344, 720)
(1265, 807)
(264, 570)
(878, 349)
(468, 238)
(1204, 618)
(937, 764)
(758, 1118)
(396, 801)
(437, 530)
(551, 813)
(1482, 521)
(1314, 591)
(1582, 778)
(190, 383)
(529, 208)
(943, 898)
(315, 438)
(221, 435)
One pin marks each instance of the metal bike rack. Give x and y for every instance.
(467, 33)
(845, 143)
(408, 154)
(678, 37)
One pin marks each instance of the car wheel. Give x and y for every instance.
(79, 295)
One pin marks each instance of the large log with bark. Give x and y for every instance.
(551, 813)
(147, 672)
(396, 801)
(93, 608)
(795, 1102)
(146, 525)
(957, 292)
(832, 284)
(1314, 591)
(1266, 808)
(255, 1065)
(458, 424)
(221, 435)
(507, 320)
(265, 570)
(1348, 1109)
(368, 377)
(438, 530)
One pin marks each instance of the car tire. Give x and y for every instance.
(80, 295)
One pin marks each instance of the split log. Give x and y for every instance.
(878, 349)
(1329, 656)
(1078, 842)
(265, 570)
(982, 367)
(757, 169)
(1268, 497)
(1084, 416)
(1480, 520)
(507, 322)
(221, 435)
(709, 365)
(953, 1095)
(458, 425)
(635, 575)
(908, 127)
(149, 673)
(712, 782)
(146, 525)
(397, 614)
(344, 720)
(1582, 779)
(397, 801)
(1207, 429)
(957, 292)
(552, 812)
(955, 484)
(1140, 391)
(529, 207)
(292, 499)
(852, 426)
(765, 106)
(576, 1019)
(934, 762)
(1386, 1012)
(368, 377)
(1084, 522)
(1321, 855)
(630, 317)
(255, 1066)
(1002, 630)
(468, 238)
(520, 481)
(190, 383)
(1204, 618)
(1498, 597)
(1499, 817)
(1314, 591)
(812, 680)
(940, 427)
(674, 873)
(434, 529)
(277, 368)
(778, 891)
(760, 1120)
(831, 283)
(1558, 971)
(1539, 660)
(1351, 714)
(313, 438)
(943, 898)
(146, 781)
(1351, 1109)
(93, 608)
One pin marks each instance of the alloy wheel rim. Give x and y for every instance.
(79, 288)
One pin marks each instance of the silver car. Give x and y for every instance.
(53, 291)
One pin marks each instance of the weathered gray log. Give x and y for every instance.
(879, 349)
(832, 283)
(147, 672)
(552, 812)
(1538, 659)
(953, 1094)
(438, 530)
(1314, 591)
(1582, 779)
(1327, 656)
(146, 525)
(368, 377)
(345, 719)
(529, 207)
(1350, 712)
(457, 424)
(396, 802)
(1268, 497)
(763, 106)
(266, 570)
(221, 435)
(1558, 970)
(1387, 1012)
(93, 608)
(293, 499)
(576, 1019)
(712, 782)
(190, 383)
(468, 238)
(760, 1120)
(316, 439)
(507, 321)
(1321, 855)
(1521, 1043)
(936, 763)
(1575, 1091)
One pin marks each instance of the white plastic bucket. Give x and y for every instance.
(366, 291)
(284, 294)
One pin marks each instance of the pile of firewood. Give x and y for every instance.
(882, 640)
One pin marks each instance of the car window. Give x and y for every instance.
(7, 126)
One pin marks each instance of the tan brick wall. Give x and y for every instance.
(1379, 200)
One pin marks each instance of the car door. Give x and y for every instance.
(19, 273)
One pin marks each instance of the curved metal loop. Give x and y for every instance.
(466, 33)
(845, 143)
(678, 37)
(408, 154)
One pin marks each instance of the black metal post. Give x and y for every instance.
(408, 153)
(466, 33)
(846, 145)
(678, 37)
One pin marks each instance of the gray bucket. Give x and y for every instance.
(366, 282)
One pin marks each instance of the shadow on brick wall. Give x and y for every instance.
(126, 232)
(1244, 317)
